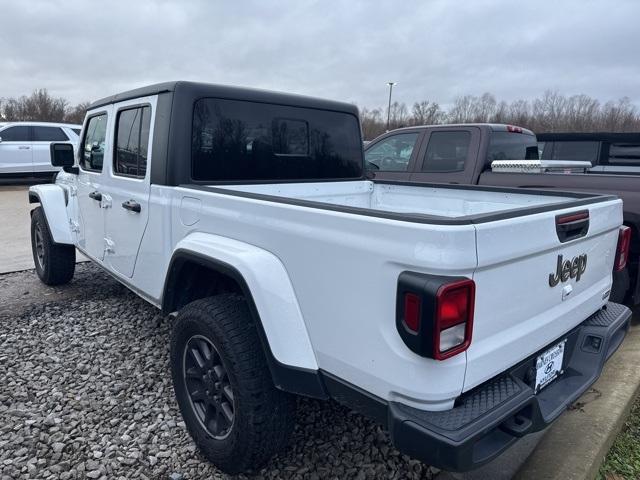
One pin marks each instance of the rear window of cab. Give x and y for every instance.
(235, 140)
(512, 146)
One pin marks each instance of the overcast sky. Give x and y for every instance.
(344, 50)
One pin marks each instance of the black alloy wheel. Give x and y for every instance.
(207, 383)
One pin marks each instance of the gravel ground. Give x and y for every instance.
(85, 392)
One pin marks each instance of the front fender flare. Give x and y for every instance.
(271, 297)
(54, 203)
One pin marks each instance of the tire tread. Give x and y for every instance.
(268, 412)
(60, 259)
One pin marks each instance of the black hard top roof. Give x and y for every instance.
(202, 90)
(590, 136)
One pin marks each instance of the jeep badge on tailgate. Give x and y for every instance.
(569, 269)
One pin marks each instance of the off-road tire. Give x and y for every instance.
(263, 415)
(55, 262)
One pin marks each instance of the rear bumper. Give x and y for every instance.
(490, 418)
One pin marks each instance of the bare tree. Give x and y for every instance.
(372, 123)
(426, 113)
(619, 116)
(462, 110)
(40, 106)
(399, 115)
(76, 114)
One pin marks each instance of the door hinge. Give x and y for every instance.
(109, 245)
(106, 201)
(75, 227)
(73, 191)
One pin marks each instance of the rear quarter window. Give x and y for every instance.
(574, 150)
(512, 146)
(624, 154)
(49, 134)
(446, 152)
(235, 140)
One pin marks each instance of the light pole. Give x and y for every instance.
(391, 84)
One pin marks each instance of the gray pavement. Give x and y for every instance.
(15, 233)
(577, 443)
(505, 466)
(15, 241)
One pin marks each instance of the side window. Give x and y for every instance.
(391, 154)
(76, 131)
(132, 142)
(587, 151)
(94, 143)
(446, 152)
(512, 146)
(15, 134)
(49, 134)
(624, 154)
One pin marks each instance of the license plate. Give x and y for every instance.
(549, 365)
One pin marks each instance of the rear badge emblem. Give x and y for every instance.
(568, 269)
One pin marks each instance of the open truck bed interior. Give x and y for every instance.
(442, 204)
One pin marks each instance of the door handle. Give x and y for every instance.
(132, 206)
(24, 147)
(96, 196)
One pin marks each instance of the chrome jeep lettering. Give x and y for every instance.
(566, 269)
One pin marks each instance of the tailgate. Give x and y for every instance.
(522, 303)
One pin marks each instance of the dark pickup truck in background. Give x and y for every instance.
(607, 152)
(462, 154)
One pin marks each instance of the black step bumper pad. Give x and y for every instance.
(488, 419)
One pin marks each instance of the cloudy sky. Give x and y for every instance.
(345, 50)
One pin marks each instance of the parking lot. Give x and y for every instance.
(15, 253)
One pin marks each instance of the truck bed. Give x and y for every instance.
(455, 204)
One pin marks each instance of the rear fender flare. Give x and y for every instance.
(272, 301)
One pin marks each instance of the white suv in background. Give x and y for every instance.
(24, 146)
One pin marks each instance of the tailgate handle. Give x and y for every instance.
(570, 226)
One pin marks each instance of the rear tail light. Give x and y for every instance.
(622, 253)
(512, 129)
(454, 318)
(412, 312)
(435, 314)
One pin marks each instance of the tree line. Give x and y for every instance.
(41, 106)
(552, 112)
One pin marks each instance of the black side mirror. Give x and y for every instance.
(61, 154)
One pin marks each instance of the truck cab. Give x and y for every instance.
(447, 153)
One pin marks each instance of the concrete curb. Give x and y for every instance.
(576, 444)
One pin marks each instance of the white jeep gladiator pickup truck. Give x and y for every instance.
(460, 317)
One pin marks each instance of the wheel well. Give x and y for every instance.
(192, 276)
(190, 280)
